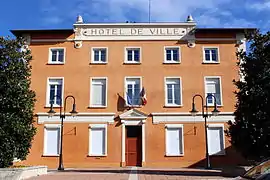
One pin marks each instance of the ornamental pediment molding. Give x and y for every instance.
(133, 114)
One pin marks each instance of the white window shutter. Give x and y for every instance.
(98, 96)
(97, 141)
(215, 140)
(52, 141)
(174, 141)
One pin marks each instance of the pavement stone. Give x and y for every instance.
(132, 173)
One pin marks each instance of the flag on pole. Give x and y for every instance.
(143, 97)
(128, 100)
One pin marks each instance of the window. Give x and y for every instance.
(51, 140)
(98, 92)
(133, 89)
(56, 55)
(133, 55)
(54, 91)
(173, 92)
(211, 55)
(215, 139)
(213, 86)
(98, 140)
(172, 55)
(174, 140)
(99, 55)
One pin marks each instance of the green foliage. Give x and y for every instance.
(16, 101)
(250, 133)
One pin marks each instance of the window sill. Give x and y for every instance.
(56, 63)
(218, 154)
(171, 62)
(179, 155)
(133, 106)
(212, 105)
(172, 106)
(97, 107)
(49, 106)
(98, 63)
(90, 155)
(206, 62)
(132, 63)
(47, 155)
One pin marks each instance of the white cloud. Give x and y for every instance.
(259, 6)
(209, 13)
(52, 20)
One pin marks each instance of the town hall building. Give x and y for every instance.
(132, 85)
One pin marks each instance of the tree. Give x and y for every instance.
(250, 133)
(16, 101)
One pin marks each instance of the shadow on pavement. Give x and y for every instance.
(181, 172)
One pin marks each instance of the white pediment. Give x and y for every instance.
(133, 114)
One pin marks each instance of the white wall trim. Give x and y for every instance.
(223, 152)
(50, 55)
(165, 61)
(174, 125)
(220, 87)
(132, 123)
(211, 47)
(80, 118)
(93, 55)
(125, 86)
(50, 126)
(180, 118)
(47, 103)
(178, 126)
(184, 113)
(166, 93)
(132, 48)
(91, 91)
(93, 126)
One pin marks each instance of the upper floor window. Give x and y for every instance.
(133, 55)
(54, 91)
(172, 55)
(56, 55)
(173, 92)
(133, 90)
(98, 92)
(99, 55)
(211, 55)
(213, 86)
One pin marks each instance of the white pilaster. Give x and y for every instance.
(123, 142)
(143, 142)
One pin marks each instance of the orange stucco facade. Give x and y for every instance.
(78, 70)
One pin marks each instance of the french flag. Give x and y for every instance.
(143, 97)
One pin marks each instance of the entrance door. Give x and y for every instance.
(133, 145)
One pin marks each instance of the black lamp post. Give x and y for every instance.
(205, 115)
(73, 112)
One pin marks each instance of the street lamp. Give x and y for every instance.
(205, 115)
(73, 112)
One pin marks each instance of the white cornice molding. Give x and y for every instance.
(186, 117)
(184, 113)
(80, 118)
(133, 31)
(134, 24)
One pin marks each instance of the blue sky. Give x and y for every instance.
(49, 14)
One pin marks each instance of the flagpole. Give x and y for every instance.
(149, 11)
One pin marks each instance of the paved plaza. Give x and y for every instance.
(132, 173)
